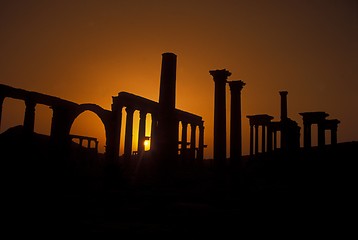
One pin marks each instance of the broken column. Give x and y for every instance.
(167, 123)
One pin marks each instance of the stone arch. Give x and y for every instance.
(104, 116)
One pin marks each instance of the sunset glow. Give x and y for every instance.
(89, 51)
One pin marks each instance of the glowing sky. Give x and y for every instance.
(88, 51)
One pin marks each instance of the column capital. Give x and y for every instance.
(236, 85)
(220, 75)
(283, 93)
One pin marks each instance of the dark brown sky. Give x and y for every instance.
(88, 51)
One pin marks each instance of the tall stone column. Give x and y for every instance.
(141, 132)
(220, 79)
(129, 133)
(192, 140)
(184, 139)
(167, 122)
(1, 103)
(200, 155)
(29, 119)
(235, 120)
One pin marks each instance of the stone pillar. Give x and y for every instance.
(117, 115)
(256, 139)
(184, 139)
(88, 143)
(283, 95)
(141, 132)
(275, 140)
(1, 104)
(200, 155)
(251, 140)
(321, 135)
(263, 139)
(61, 125)
(81, 142)
(153, 132)
(235, 120)
(129, 133)
(220, 79)
(29, 119)
(96, 146)
(167, 122)
(334, 136)
(192, 140)
(269, 139)
(306, 135)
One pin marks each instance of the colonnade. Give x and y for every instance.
(131, 103)
(259, 121)
(323, 124)
(89, 140)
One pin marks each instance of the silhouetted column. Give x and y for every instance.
(141, 131)
(153, 132)
(96, 146)
(29, 119)
(321, 135)
(256, 139)
(251, 140)
(307, 135)
(1, 103)
(167, 122)
(275, 140)
(200, 155)
(184, 139)
(88, 143)
(235, 120)
(192, 140)
(117, 114)
(263, 139)
(129, 133)
(283, 95)
(269, 138)
(334, 136)
(81, 141)
(220, 79)
(61, 125)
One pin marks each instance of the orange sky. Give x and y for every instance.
(88, 51)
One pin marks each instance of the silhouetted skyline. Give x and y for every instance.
(88, 51)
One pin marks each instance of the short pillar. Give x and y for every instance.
(256, 139)
(200, 155)
(321, 135)
(251, 140)
(141, 132)
(307, 135)
(153, 132)
(184, 139)
(1, 103)
(192, 140)
(29, 119)
(263, 139)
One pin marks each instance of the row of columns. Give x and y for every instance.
(323, 124)
(128, 138)
(29, 118)
(184, 143)
(88, 139)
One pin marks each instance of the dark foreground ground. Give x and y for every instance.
(302, 193)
